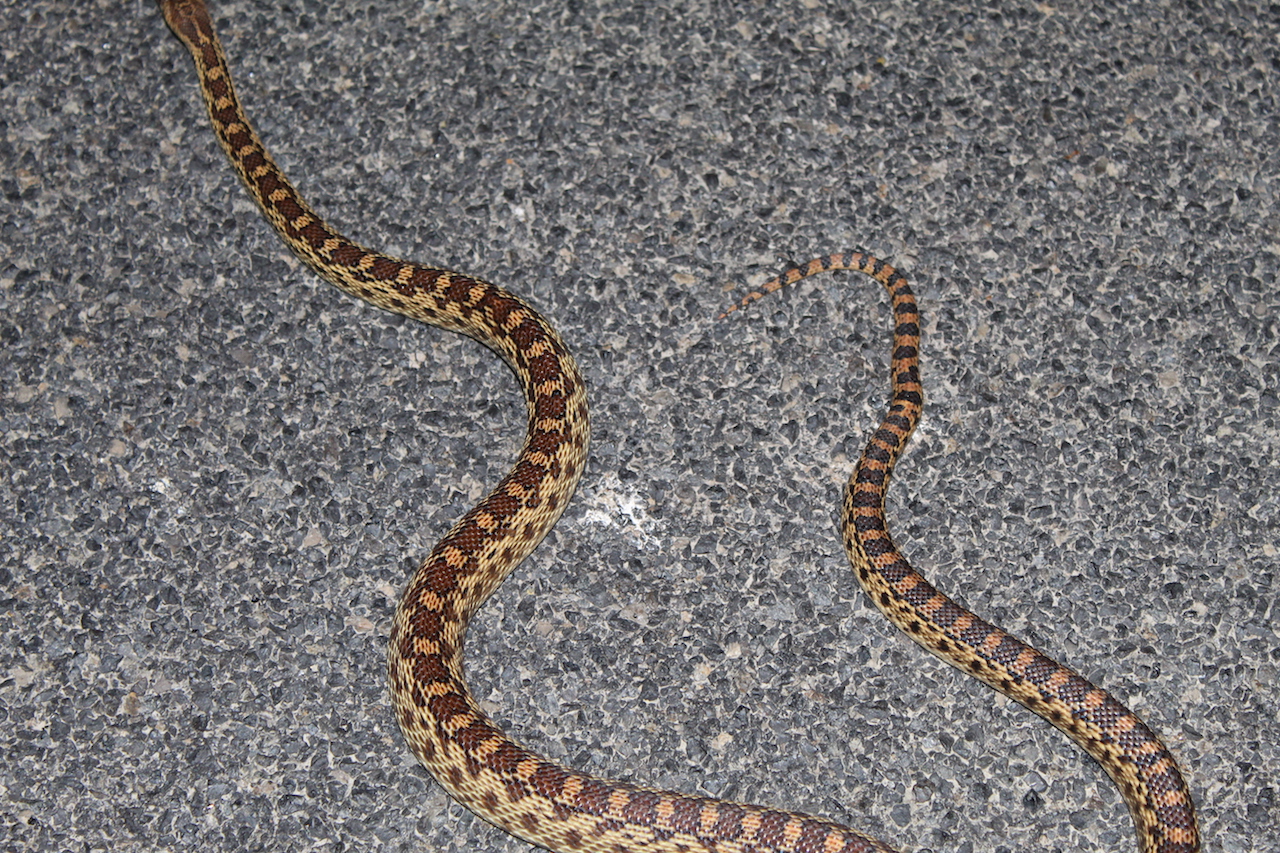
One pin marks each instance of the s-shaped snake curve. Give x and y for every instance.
(544, 802)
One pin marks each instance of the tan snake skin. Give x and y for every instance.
(551, 805)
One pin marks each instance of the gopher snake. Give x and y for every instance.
(544, 802)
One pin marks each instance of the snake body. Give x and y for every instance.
(537, 799)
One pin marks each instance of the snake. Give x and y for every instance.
(542, 801)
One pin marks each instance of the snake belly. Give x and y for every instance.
(539, 800)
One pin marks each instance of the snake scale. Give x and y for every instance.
(539, 800)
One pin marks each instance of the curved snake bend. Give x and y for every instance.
(541, 801)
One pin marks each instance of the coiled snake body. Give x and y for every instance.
(540, 800)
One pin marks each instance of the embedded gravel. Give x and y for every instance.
(216, 471)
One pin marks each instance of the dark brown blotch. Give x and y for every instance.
(385, 269)
(641, 807)
(347, 254)
(549, 780)
(729, 821)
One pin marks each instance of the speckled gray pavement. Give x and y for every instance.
(217, 471)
